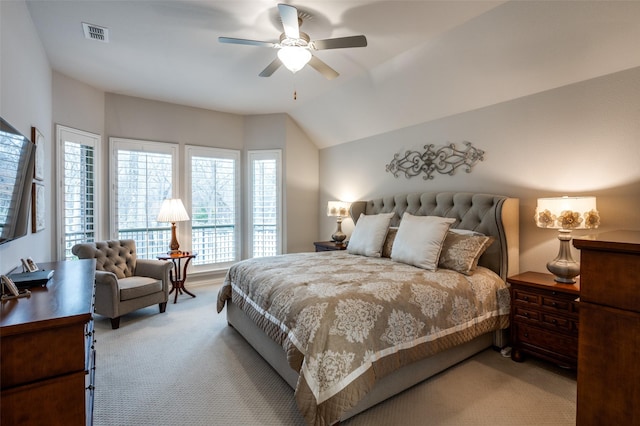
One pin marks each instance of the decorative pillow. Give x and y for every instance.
(388, 242)
(461, 252)
(369, 234)
(419, 240)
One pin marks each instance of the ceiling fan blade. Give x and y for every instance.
(323, 68)
(289, 17)
(271, 68)
(340, 42)
(245, 41)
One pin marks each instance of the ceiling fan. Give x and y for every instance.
(294, 48)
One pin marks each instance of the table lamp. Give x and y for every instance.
(566, 214)
(338, 209)
(172, 210)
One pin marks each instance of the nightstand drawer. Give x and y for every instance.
(526, 297)
(558, 321)
(547, 342)
(526, 314)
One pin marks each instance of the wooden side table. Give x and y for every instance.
(329, 246)
(544, 318)
(179, 274)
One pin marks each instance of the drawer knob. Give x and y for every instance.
(554, 304)
(554, 321)
(526, 314)
(526, 298)
(526, 334)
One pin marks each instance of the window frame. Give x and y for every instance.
(267, 154)
(64, 134)
(146, 146)
(212, 152)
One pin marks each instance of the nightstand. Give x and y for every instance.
(329, 246)
(544, 318)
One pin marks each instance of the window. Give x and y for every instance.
(265, 205)
(143, 174)
(214, 188)
(79, 182)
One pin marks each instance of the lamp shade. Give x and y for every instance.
(172, 210)
(567, 213)
(294, 57)
(338, 208)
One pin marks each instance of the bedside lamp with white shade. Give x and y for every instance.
(566, 214)
(172, 210)
(338, 209)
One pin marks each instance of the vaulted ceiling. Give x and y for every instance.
(424, 59)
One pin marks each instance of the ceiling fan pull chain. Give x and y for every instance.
(295, 92)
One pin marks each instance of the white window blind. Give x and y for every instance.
(265, 183)
(78, 179)
(143, 176)
(215, 212)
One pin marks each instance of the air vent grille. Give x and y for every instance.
(94, 32)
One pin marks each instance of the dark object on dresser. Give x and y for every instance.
(48, 354)
(329, 246)
(608, 366)
(544, 318)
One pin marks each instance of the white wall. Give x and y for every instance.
(580, 139)
(25, 101)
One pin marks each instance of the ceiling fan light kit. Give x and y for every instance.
(294, 58)
(295, 47)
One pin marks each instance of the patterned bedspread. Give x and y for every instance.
(346, 320)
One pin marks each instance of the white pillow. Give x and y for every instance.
(369, 234)
(419, 240)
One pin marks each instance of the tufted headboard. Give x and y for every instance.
(494, 215)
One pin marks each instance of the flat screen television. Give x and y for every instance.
(17, 158)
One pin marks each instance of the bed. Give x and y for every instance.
(348, 329)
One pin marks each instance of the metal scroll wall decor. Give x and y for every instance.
(444, 160)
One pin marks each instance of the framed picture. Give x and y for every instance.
(37, 207)
(38, 139)
(28, 265)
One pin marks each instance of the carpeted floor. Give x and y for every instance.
(187, 367)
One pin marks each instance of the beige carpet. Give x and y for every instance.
(187, 367)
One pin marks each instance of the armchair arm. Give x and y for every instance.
(107, 294)
(158, 269)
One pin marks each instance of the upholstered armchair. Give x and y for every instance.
(125, 283)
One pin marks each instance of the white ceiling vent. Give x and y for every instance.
(94, 32)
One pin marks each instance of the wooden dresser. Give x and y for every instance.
(609, 342)
(48, 355)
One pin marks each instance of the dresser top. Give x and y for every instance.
(68, 297)
(622, 240)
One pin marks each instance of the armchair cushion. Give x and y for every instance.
(134, 287)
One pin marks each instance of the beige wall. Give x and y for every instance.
(580, 139)
(25, 101)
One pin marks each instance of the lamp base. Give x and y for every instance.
(563, 266)
(339, 236)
